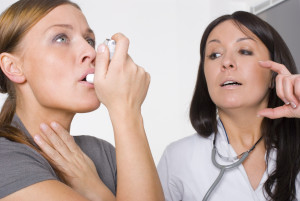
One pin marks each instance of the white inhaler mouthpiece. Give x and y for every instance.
(111, 44)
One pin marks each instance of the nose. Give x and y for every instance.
(230, 66)
(88, 54)
(228, 63)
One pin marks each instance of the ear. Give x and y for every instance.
(11, 68)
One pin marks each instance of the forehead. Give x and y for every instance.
(228, 30)
(63, 14)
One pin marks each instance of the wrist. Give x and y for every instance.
(125, 114)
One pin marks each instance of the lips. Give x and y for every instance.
(89, 71)
(230, 82)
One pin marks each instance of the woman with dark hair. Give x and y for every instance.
(47, 49)
(246, 112)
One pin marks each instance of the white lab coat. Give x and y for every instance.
(186, 171)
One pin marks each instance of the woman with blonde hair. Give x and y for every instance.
(46, 52)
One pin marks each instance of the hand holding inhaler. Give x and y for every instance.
(111, 44)
(120, 84)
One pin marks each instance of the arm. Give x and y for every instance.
(47, 191)
(122, 86)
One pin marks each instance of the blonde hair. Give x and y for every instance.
(15, 22)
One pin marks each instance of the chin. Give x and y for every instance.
(229, 105)
(88, 107)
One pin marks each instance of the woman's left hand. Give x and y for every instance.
(287, 89)
(79, 171)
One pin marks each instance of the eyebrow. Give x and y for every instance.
(214, 40)
(68, 26)
(238, 40)
(247, 38)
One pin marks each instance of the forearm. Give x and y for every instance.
(137, 175)
(99, 192)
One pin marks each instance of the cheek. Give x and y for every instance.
(44, 71)
(260, 82)
(261, 77)
(210, 76)
(47, 75)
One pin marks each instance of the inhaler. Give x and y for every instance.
(111, 44)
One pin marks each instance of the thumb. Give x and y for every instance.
(102, 61)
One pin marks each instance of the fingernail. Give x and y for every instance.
(262, 62)
(258, 115)
(293, 105)
(286, 102)
(101, 48)
(43, 126)
(54, 124)
(37, 139)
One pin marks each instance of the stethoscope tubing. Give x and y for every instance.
(223, 168)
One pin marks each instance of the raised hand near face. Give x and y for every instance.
(121, 84)
(287, 89)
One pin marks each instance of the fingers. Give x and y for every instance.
(276, 67)
(278, 112)
(102, 61)
(297, 87)
(119, 58)
(288, 90)
(64, 135)
(122, 45)
(125, 84)
(61, 144)
(286, 85)
(49, 151)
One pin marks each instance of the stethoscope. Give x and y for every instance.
(223, 168)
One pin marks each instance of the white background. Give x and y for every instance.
(164, 39)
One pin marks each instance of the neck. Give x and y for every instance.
(32, 117)
(242, 127)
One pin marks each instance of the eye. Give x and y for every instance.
(214, 55)
(91, 42)
(246, 52)
(61, 38)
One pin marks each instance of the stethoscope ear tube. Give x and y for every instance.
(223, 168)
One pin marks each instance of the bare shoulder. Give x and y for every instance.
(46, 191)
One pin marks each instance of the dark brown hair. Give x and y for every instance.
(15, 22)
(281, 134)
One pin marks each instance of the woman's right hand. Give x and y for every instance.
(120, 85)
